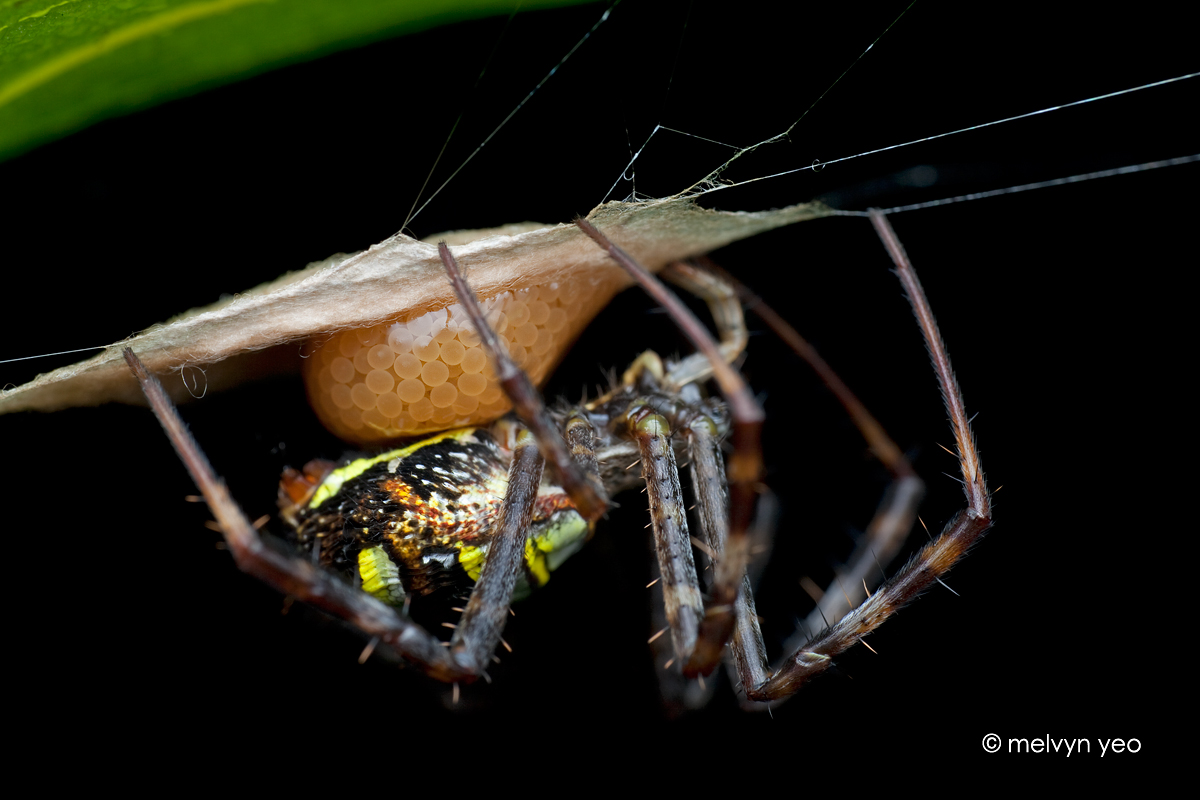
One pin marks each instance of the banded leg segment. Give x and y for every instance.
(673, 544)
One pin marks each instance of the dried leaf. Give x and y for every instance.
(248, 335)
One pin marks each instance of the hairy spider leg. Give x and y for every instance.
(295, 577)
(745, 468)
(477, 632)
(936, 558)
(893, 521)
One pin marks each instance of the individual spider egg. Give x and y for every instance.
(428, 371)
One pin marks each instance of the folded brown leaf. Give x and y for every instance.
(255, 333)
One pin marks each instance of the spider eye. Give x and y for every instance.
(428, 372)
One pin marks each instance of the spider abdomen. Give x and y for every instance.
(420, 519)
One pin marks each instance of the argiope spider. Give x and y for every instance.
(396, 520)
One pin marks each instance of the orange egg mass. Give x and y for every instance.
(428, 372)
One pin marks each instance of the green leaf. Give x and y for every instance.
(65, 64)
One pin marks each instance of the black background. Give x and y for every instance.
(1056, 305)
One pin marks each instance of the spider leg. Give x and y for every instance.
(708, 480)
(744, 468)
(936, 558)
(293, 576)
(893, 520)
(897, 511)
(726, 309)
(478, 631)
(725, 302)
(577, 470)
(673, 544)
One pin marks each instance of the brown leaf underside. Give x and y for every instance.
(242, 336)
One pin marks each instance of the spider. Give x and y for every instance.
(979, 291)
(400, 519)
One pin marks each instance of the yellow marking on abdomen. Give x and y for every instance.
(333, 482)
(380, 576)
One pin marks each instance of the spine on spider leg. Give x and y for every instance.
(937, 557)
